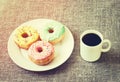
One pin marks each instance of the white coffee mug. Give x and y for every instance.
(91, 45)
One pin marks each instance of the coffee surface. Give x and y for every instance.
(91, 39)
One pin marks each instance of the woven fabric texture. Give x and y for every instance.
(78, 16)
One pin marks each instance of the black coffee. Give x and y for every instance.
(91, 39)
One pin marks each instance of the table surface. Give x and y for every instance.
(78, 16)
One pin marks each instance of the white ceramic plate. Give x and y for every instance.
(63, 49)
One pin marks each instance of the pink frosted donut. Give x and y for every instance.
(41, 52)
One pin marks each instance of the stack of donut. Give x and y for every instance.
(40, 46)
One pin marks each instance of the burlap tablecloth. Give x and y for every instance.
(78, 16)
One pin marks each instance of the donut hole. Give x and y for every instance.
(50, 30)
(24, 35)
(39, 49)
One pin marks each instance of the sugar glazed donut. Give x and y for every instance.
(25, 36)
(41, 52)
(53, 32)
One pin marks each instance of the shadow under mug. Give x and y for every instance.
(91, 45)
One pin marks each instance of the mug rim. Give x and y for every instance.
(94, 32)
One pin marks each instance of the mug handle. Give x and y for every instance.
(108, 47)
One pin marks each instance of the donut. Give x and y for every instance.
(25, 36)
(41, 52)
(53, 32)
